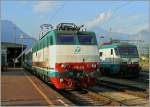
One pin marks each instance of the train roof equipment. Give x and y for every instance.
(59, 27)
(69, 26)
(45, 28)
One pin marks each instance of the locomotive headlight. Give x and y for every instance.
(63, 65)
(93, 65)
(61, 80)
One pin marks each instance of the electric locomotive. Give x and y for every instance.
(121, 59)
(67, 57)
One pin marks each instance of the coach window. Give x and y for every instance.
(101, 53)
(111, 51)
(51, 40)
(47, 40)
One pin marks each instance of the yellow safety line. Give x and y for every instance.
(41, 93)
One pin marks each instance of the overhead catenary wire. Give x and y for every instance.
(135, 24)
(128, 26)
(114, 16)
(115, 10)
(57, 11)
(53, 16)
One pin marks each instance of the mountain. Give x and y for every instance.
(141, 38)
(9, 29)
(143, 44)
(142, 35)
(11, 33)
(103, 35)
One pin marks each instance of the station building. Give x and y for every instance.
(9, 52)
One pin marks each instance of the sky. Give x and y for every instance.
(122, 16)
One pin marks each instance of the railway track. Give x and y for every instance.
(144, 77)
(128, 83)
(119, 98)
(103, 95)
(86, 98)
(81, 97)
(126, 89)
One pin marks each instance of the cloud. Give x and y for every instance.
(119, 30)
(125, 19)
(41, 16)
(103, 17)
(43, 6)
(130, 24)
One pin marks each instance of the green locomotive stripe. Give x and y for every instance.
(69, 74)
(108, 46)
(114, 68)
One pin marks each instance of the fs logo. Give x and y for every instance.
(77, 50)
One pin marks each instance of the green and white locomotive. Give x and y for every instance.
(66, 56)
(120, 59)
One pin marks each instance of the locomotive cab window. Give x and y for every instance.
(87, 40)
(66, 39)
(128, 51)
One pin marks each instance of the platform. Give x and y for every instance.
(20, 88)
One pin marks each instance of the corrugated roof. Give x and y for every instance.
(11, 45)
